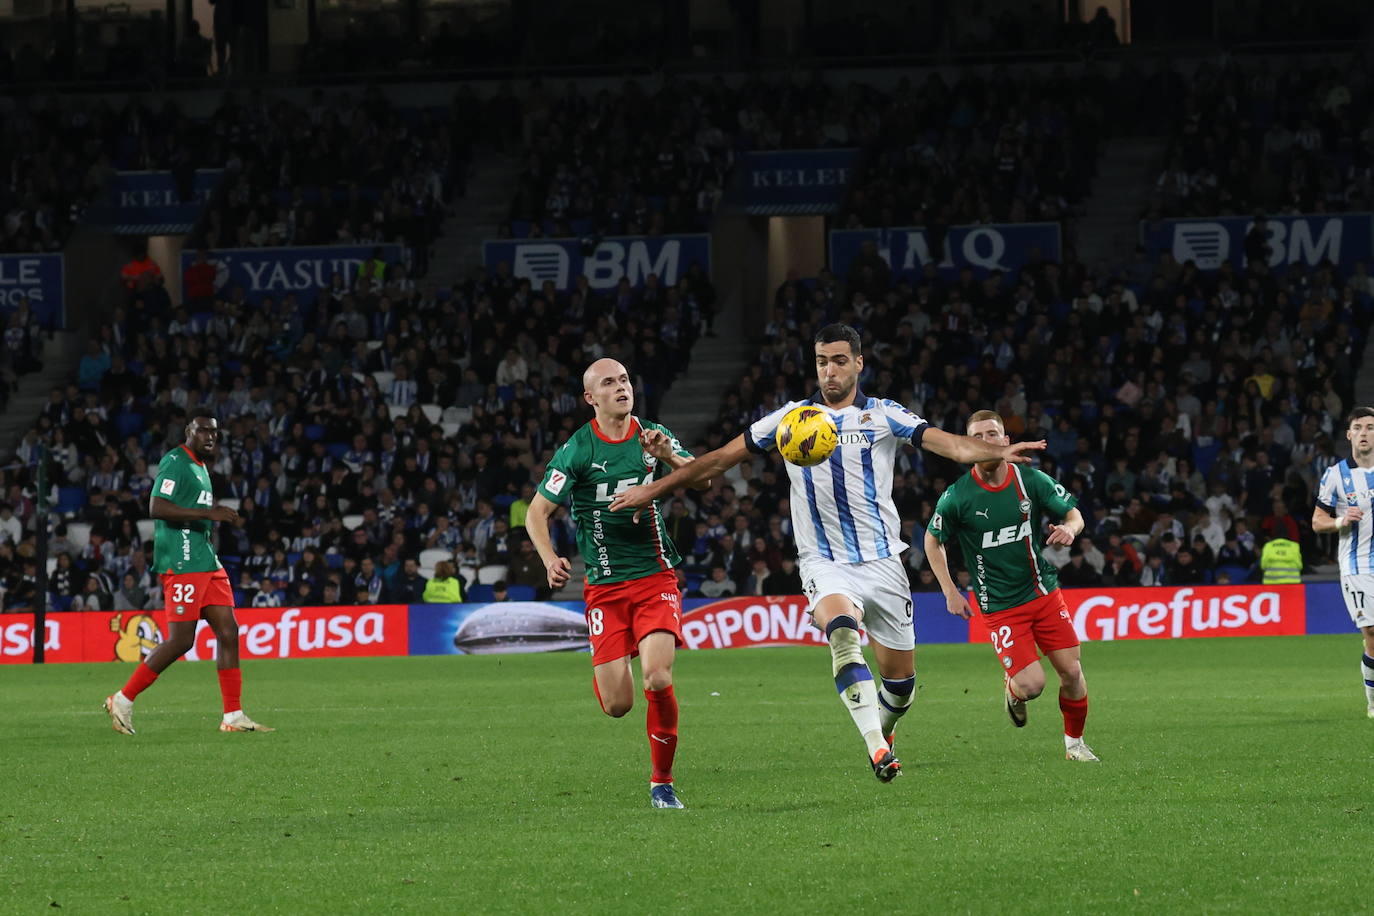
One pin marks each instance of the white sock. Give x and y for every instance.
(1367, 669)
(1070, 743)
(230, 715)
(854, 681)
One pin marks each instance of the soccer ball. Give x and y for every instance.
(807, 436)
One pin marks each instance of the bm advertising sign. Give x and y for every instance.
(1341, 239)
(630, 257)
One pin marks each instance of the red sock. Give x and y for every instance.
(231, 687)
(662, 723)
(1075, 714)
(139, 681)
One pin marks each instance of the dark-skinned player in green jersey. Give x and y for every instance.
(997, 512)
(633, 605)
(194, 584)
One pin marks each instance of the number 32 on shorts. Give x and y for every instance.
(183, 593)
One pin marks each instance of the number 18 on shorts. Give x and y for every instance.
(620, 614)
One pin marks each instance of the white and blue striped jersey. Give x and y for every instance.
(1346, 484)
(842, 508)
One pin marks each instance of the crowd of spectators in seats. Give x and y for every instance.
(1006, 147)
(349, 170)
(353, 484)
(1257, 136)
(1191, 414)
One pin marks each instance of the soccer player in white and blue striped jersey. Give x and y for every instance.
(1344, 499)
(847, 531)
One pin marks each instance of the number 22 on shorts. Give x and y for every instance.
(1001, 638)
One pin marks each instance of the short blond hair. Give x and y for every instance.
(979, 416)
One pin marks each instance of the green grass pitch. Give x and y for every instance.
(1234, 779)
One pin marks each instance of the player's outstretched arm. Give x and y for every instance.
(955, 602)
(1324, 522)
(968, 450)
(556, 568)
(168, 511)
(692, 474)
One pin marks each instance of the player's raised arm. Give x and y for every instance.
(691, 474)
(968, 450)
(556, 568)
(169, 511)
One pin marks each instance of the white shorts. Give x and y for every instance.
(878, 588)
(1359, 598)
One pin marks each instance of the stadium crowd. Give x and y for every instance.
(1191, 415)
(342, 171)
(1253, 137)
(353, 484)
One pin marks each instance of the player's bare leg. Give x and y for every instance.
(1073, 702)
(838, 617)
(226, 628)
(181, 635)
(615, 686)
(656, 653)
(1367, 669)
(1022, 687)
(897, 668)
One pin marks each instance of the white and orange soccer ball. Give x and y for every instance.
(806, 436)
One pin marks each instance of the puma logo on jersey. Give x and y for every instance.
(1006, 535)
(981, 512)
(601, 466)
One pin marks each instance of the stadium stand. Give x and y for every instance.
(1191, 416)
(327, 499)
(1254, 137)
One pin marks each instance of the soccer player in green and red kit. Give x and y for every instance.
(194, 584)
(996, 511)
(633, 605)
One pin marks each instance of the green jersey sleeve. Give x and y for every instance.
(559, 476)
(1054, 500)
(944, 523)
(171, 484)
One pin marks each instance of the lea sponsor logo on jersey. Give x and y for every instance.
(605, 494)
(1007, 535)
(1181, 613)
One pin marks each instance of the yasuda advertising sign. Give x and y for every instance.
(632, 257)
(278, 271)
(1307, 240)
(907, 251)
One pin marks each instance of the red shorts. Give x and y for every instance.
(1017, 631)
(186, 595)
(620, 614)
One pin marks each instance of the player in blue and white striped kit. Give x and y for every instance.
(847, 531)
(1344, 504)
